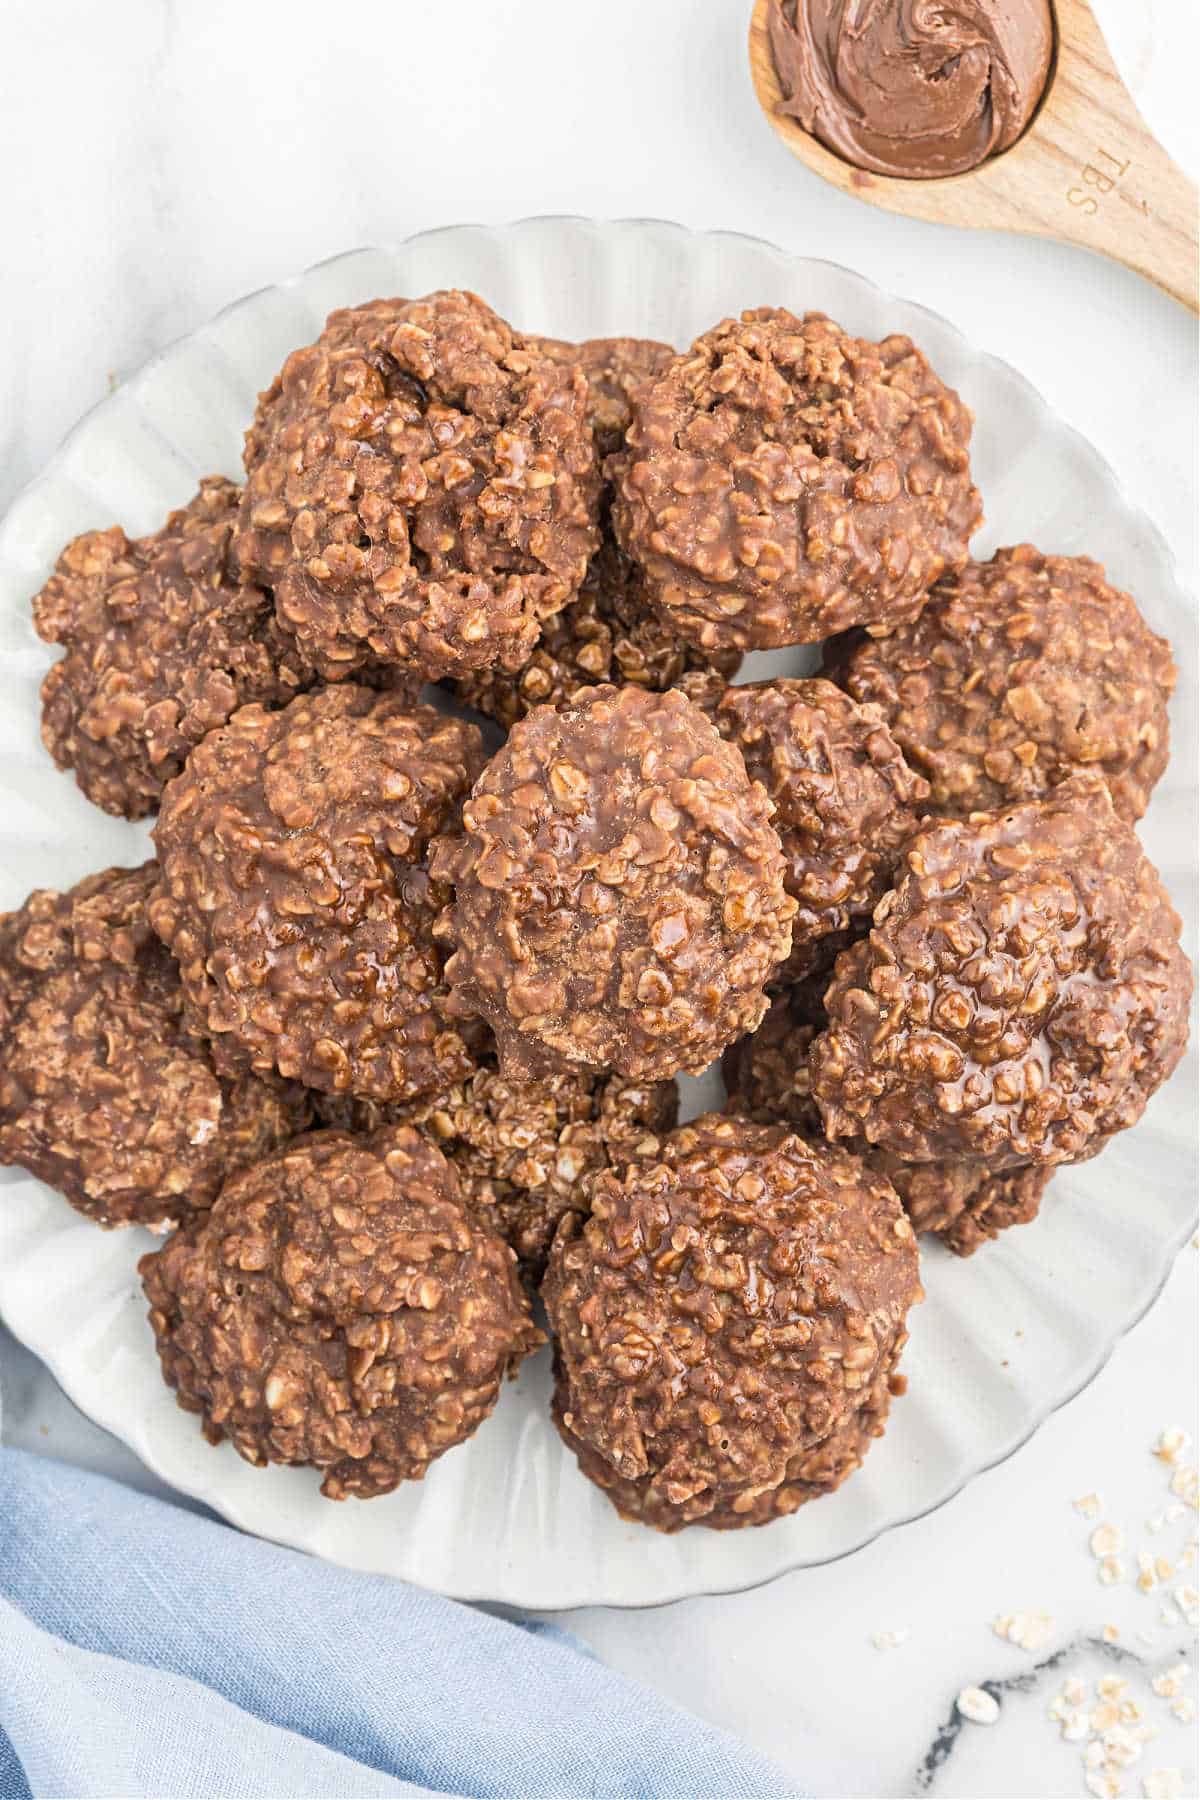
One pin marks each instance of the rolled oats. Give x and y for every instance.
(295, 896)
(619, 899)
(782, 480)
(976, 1704)
(104, 1092)
(421, 488)
(340, 1307)
(1030, 1630)
(727, 1322)
(163, 642)
(1018, 672)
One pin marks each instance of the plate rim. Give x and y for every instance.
(231, 1512)
(1082, 446)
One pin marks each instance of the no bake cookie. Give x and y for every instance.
(619, 898)
(295, 895)
(162, 642)
(340, 1307)
(421, 489)
(783, 480)
(1018, 672)
(104, 1092)
(726, 1324)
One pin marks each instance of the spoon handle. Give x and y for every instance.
(1117, 191)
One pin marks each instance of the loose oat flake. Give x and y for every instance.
(1172, 1441)
(978, 1705)
(1169, 1683)
(1029, 1630)
(1188, 1601)
(1147, 1578)
(1069, 1714)
(1185, 1484)
(1120, 1746)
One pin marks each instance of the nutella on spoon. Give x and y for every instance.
(909, 87)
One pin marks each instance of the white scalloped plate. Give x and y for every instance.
(1001, 1341)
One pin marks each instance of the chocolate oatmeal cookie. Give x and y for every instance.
(523, 1148)
(421, 488)
(614, 368)
(769, 1080)
(103, 1092)
(965, 1204)
(609, 634)
(726, 1323)
(163, 641)
(807, 1474)
(1018, 672)
(783, 480)
(1021, 996)
(340, 1307)
(295, 896)
(767, 1077)
(619, 897)
(845, 802)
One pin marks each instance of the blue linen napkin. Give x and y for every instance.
(149, 1651)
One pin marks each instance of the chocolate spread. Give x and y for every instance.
(910, 87)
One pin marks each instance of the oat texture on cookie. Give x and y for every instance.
(845, 802)
(523, 1147)
(614, 369)
(783, 480)
(619, 889)
(295, 895)
(421, 489)
(727, 1322)
(1019, 672)
(340, 1307)
(1021, 994)
(104, 1092)
(162, 641)
(963, 1201)
(610, 634)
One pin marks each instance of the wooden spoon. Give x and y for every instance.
(1087, 169)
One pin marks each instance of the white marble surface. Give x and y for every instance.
(162, 160)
